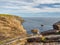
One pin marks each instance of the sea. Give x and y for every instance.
(36, 22)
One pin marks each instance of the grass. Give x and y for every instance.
(9, 16)
(5, 15)
(1, 42)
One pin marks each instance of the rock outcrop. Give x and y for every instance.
(11, 26)
(56, 25)
(35, 31)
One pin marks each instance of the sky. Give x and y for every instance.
(31, 8)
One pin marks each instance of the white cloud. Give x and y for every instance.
(9, 7)
(36, 10)
(47, 1)
(27, 7)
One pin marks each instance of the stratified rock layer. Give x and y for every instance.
(11, 26)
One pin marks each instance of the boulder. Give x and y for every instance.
(35, 31)
(56, 25)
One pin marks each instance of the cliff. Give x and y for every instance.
(11, 26)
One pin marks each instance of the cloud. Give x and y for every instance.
(53, 5)
(29, 6)
(46, 1)
(30, 1)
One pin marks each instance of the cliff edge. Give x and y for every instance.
(11, 26)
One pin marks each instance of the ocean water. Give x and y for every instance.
(36, 22)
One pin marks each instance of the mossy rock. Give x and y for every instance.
(43, 38)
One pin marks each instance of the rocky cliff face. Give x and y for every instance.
(11, 26)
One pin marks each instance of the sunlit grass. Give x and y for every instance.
(1, 42)
(9, 16)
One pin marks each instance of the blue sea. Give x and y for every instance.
(36, 22)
